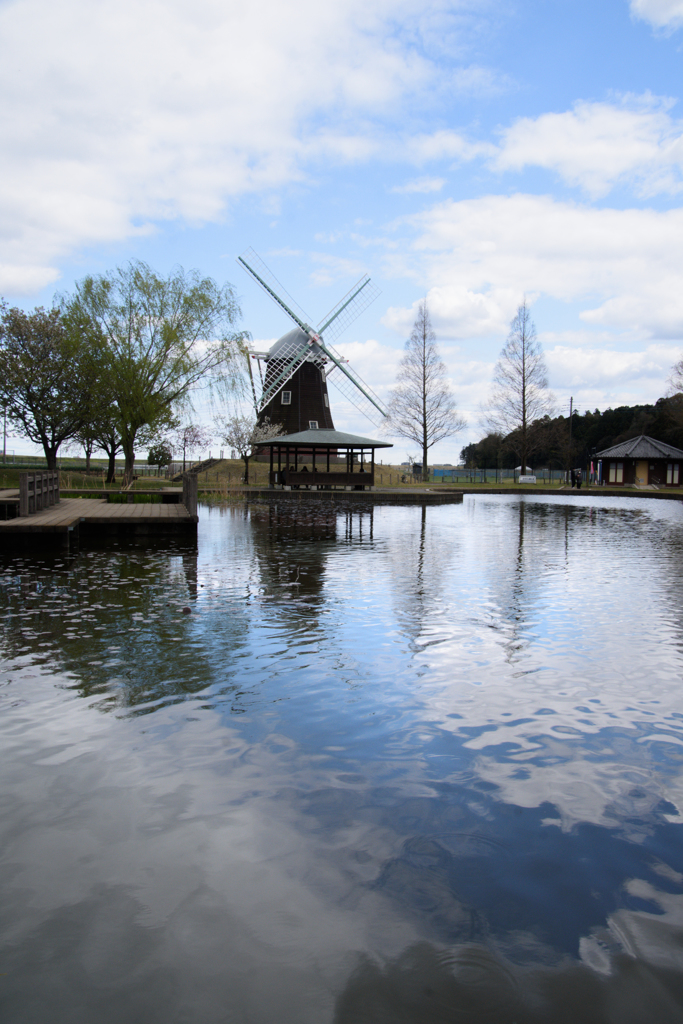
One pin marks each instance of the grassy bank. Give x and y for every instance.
(226, 479)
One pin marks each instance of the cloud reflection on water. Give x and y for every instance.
(390, 750)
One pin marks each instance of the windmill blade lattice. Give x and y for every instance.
(349, 309)
(352, 386)
(307, 346)
(264, 277)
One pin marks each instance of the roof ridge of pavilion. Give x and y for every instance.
(324, 438)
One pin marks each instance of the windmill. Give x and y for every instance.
(298, 366)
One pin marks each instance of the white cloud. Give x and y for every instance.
(477, 258)
(333, 268)
(479, 81)
(442, 144)
(660, 13)
(420, 185)
(374, 362)
(119, 114)
(597, 145)
(458, 311)
(615, 270)
(607, 369)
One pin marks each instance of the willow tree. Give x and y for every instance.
(520, 395)
(422, 407)
(161, 338)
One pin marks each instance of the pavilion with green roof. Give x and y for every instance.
(335, 458)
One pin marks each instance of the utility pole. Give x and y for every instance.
(4, 437)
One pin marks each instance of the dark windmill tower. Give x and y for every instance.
(298, 366)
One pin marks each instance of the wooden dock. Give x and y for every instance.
(76, 520)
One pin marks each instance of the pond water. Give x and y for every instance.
(356, 765)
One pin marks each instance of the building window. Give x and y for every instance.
(312, 424)
(672, 473)
(616, 472)
(286, 397)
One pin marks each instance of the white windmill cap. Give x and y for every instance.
(294, 339)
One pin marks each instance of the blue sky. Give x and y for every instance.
(471, 153)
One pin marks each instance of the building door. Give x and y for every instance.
(641, 472)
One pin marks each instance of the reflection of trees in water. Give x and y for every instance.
(419, 557)
(540, 543)
(113, 622)
(513, 565)
(666, 561)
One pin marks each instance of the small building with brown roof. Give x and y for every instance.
(642, 462)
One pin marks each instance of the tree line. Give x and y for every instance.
(521, 426)
(112, 364)
(553, 444)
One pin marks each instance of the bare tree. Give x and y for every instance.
(189, 438)
(520, 393)
(676, 377)
(422, 407)
(243, 433)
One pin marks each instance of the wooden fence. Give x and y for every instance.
(37, 491)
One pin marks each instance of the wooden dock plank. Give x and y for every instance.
(64, 515)
(95, 511)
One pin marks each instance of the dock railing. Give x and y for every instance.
(38, 491)
(190, 489)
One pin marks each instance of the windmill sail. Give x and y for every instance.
(264, 277)
(352, 386)
(348, 309)
(346, 380)
(303, 347)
